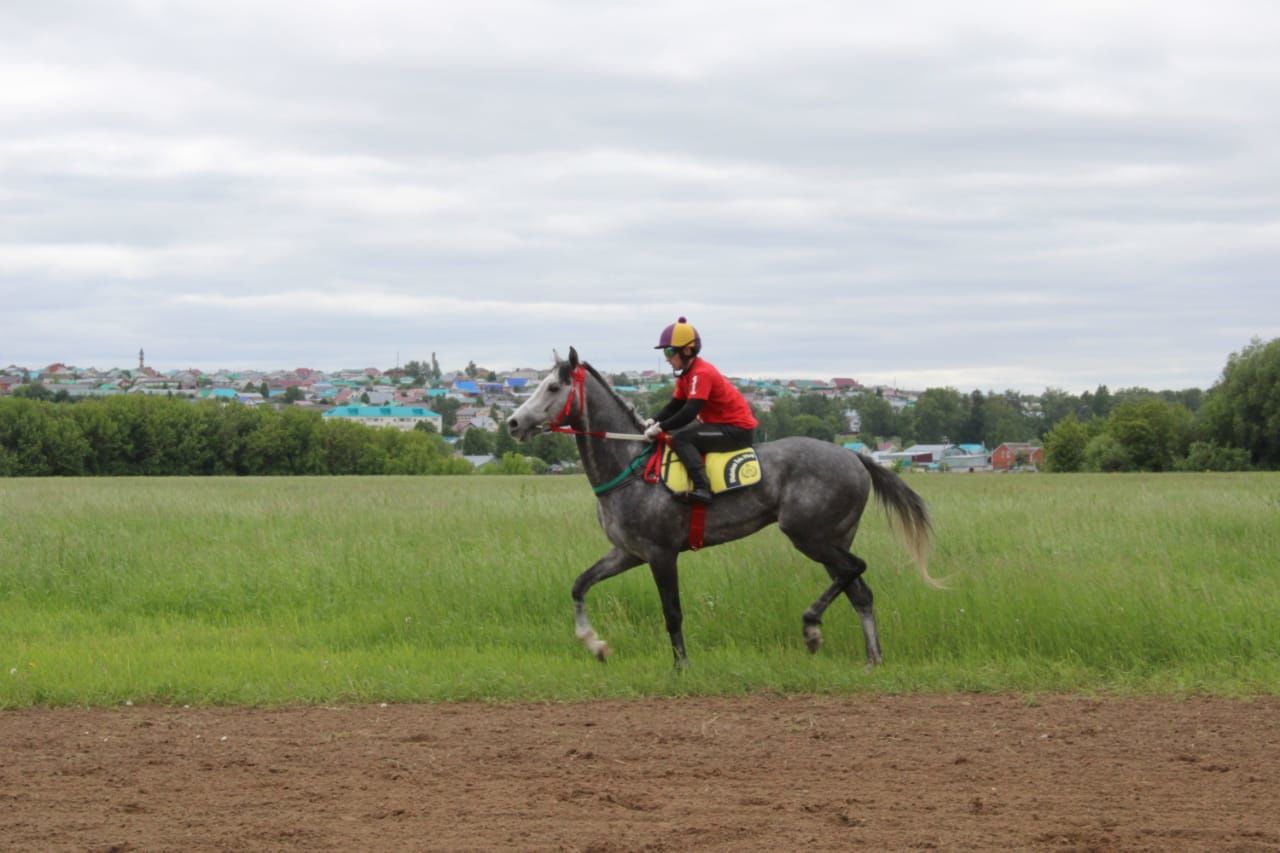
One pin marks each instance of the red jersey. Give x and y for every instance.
(724, 404)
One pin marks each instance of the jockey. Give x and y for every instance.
(706, 412)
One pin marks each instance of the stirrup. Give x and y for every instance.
(699, 495)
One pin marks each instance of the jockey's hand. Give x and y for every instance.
(653, 430)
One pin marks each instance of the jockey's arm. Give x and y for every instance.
(672, 406)
(683, 412)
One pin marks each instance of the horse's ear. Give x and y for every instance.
(573, 357)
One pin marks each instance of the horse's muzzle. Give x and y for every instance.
(523, 432)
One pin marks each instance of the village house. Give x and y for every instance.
(940, 457)
(403, 418)
(844, 385)
(897, 398)
(1015, 454)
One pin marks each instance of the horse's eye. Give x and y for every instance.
(553, 388)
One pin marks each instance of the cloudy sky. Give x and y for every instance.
(979, 194)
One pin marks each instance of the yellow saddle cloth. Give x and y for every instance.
(733, 469)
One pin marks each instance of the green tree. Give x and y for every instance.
(810, 415)
(1191, 398)
(552, 448)
(1104, 453)
(447, 409)
(1064, 446)
(511, 464)
(477, 442)
(1100, 403)
(109, 446)
(33, 391)
(293, 394)
(939, 415)
(877, 417)
(1055, 406)
(650, 404)
(1003, 420)
(1243, 408)
(40, 439)
(21, 439)
(503, 443)
(973, 428)
(1207, 456)
(906, 424)
(811, 426)
(344, 444)
(1151, 431)
(237, 423)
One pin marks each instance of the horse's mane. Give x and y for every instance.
(626, 404)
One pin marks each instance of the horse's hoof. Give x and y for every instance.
(601, 650)
(812, 638)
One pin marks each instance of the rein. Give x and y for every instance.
(626, 472)
(578, 389)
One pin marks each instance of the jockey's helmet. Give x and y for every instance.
(680, 335)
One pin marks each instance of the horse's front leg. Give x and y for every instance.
(667, 578)
(614, 563)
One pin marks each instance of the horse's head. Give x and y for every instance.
(549, 401)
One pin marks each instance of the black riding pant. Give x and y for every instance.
(690, 442)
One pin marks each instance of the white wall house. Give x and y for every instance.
(402, 418)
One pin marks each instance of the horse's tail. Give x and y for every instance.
(912, 517)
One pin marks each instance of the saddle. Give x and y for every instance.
(733, 469)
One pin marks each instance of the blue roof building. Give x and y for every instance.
(402, 418)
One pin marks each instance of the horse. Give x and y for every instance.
(814, 490)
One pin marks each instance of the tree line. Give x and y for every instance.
(1235, 425)
(134, 435)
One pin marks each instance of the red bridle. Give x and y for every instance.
(578, 391)
(652, 470)
(577, 388)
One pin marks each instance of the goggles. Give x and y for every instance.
(670, 351)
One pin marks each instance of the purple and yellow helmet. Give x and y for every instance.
(679, 335)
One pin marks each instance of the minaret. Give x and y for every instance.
(140, 365)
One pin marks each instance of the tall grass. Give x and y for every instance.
(395, 589)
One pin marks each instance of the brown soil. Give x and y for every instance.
(886, 773)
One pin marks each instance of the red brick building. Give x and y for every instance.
(1012, 453)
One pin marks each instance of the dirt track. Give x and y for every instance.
(923, 772)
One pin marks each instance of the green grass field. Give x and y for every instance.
(287, 590)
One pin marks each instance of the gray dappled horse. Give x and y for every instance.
(815, 491)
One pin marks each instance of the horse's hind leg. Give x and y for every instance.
(846, 571)
(614, 563)
(860, 597)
